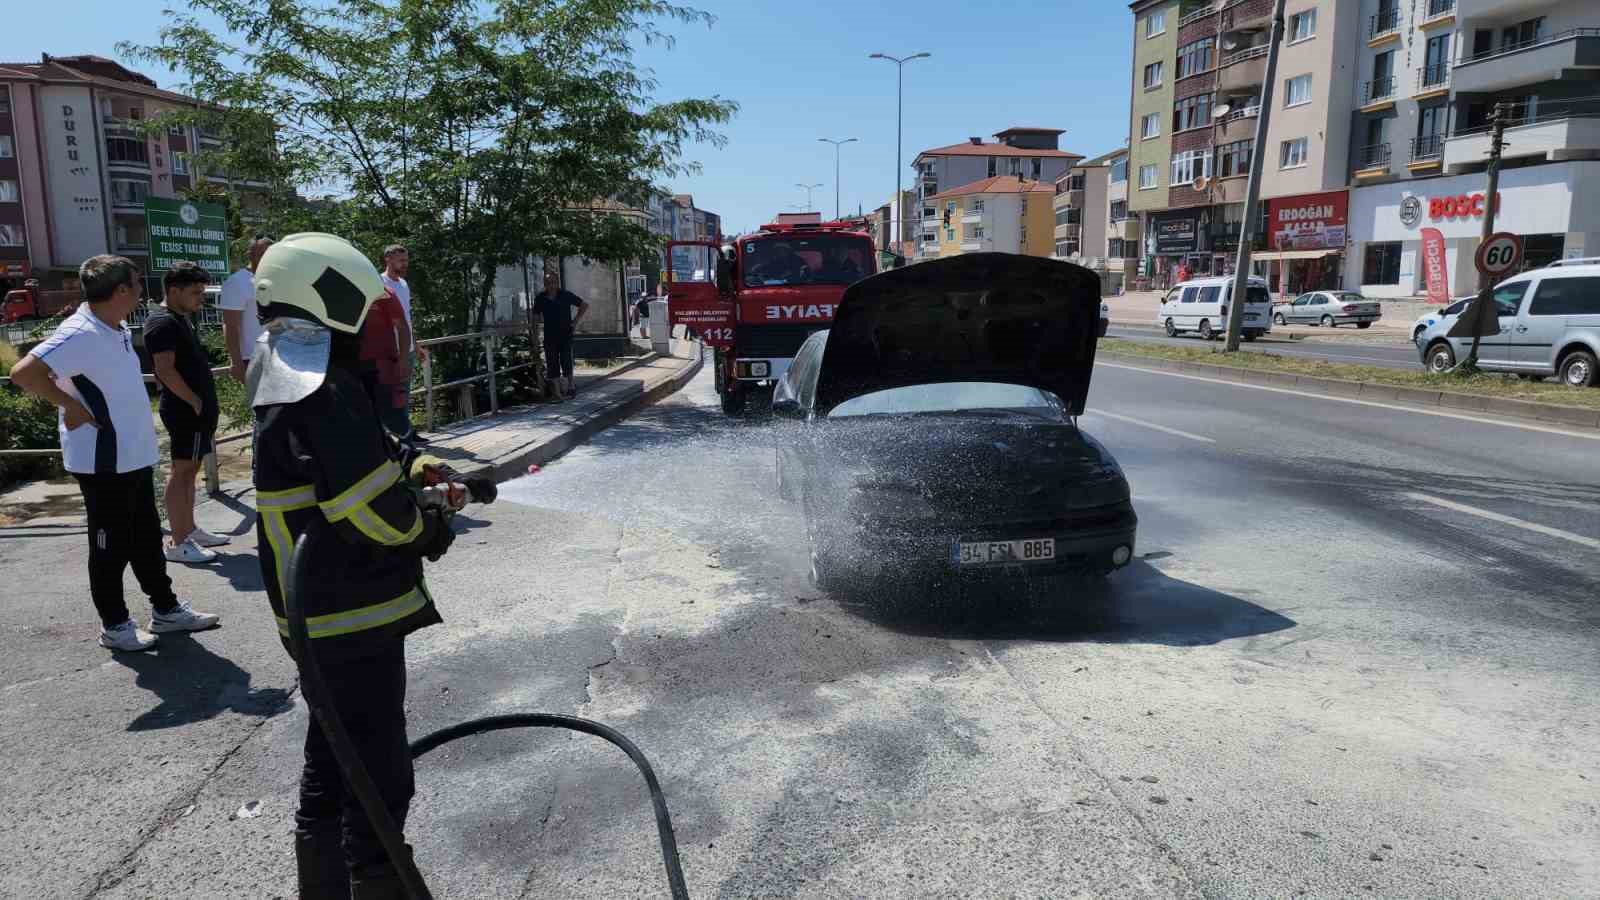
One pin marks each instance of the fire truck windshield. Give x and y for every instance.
(805, 259)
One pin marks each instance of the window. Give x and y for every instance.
(1566, 297)
(9, 192)
(1119, 170)
(993, 167)
(1064, 216)
(1381, 264)
(129, 192)
(974, 232)
(1209, 294)
(1297, 90)
(1522, 33)
(1066, 248)
(1150, 127)
(1195, 58)
(1303, 25)
(10, 235)
(1152, 75)
(1292, 155)
(1189, 165)
(1036, 165)
(180, 163)
(976, 207)
(1234, 158)
(1189, 295)
(1119, 210)
(1116, 247)
(1191, 112)
(1155, 23)
(7, 149)
(126, 150)
(5, 107)
(1147, 177)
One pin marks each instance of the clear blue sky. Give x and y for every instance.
(800, 72)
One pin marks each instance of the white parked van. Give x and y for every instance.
(1201, 305)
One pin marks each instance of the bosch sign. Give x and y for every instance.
(1461, 206)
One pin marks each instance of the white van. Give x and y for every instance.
(1201, 305)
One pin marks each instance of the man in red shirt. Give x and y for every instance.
(386, 344)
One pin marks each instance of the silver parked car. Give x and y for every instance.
(1549, 325)
(1433, 315)
(1328, 309)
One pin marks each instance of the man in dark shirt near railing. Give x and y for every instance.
(556, 306)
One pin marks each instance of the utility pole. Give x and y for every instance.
(1481, 316)
(899, 111)
(836, 145)
(1258, 152)
(808, 188)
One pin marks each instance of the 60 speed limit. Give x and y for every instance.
(1499, 254)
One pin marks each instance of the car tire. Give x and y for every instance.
(1172, 330)
(1251, 335)
(1328, 322)
(1579, 369)
(733, 402)
(1440, 358)
(1363, 324)
(1277, 319)
(1206, 334)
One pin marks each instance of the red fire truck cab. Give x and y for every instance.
(756, 299)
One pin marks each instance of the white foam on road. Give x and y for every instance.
(1503, 519)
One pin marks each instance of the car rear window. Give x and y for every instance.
(1577, 296)
(1255, 294)
(949, 397)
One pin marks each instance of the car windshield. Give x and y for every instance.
(1349, 297)
(805, 259)
(960, 396)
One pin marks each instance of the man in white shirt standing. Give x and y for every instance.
(396, 264)
(88, 369)
(240, 324)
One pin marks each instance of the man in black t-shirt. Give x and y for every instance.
(188, 405)
(556, 306)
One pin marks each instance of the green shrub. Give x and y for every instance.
(26, 423)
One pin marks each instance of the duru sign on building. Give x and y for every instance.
(181, 229)
(1308, 221)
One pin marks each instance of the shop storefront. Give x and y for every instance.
(1306, 239)
(1172, 247)
(1555, 208)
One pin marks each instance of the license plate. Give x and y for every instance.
(985, 553)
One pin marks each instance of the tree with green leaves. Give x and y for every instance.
(478, 133)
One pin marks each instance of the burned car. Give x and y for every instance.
(933, 428)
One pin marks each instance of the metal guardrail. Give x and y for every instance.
(1190, 18)
(1384, 23)
(1530, 43)
(1439, 8)
(490, 338)
(1242, 55)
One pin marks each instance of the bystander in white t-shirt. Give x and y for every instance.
(403, 291)
(239, 293)
(97, 364)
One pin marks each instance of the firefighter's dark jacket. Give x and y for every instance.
(327, 456)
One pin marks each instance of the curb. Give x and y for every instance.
(516, 465)
(1380, 393)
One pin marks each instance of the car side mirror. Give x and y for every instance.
(787, 407)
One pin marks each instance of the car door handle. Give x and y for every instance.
(1521, 329)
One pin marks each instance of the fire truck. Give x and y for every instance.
(757, 298)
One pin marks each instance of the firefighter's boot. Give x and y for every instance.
(319, 860)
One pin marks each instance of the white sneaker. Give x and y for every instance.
(190, 552)
(206, 539)
(183, 619)
(128, 637)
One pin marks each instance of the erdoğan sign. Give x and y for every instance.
(1308, 221)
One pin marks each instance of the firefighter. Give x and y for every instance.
(321, 451)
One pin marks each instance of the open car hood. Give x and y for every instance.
(994, 317)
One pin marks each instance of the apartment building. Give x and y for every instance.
(1092, 224)
(1418, 173)
(1025, 154)
(888, 226)
(1005, 214)
(1122, 225)
(74, 174)
(1155, 45)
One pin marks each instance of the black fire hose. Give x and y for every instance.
(360, 781)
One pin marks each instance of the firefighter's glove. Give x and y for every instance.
(436, 536)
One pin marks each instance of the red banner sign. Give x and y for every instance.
(1308, 221)
(1434, 267)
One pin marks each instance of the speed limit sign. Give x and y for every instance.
(1499, 254)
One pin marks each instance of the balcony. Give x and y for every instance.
(971, 217)
(1529, 62)
(1061, 201)
(1377, 94)
(1384, 27)
(976, 245)
(1198, 15)
(1068, 231)
(1242, 70)
(1432, 81)
(1241, 14)
(1554, 138)
(1438, 12)
(1372, 160)
(1427, 151)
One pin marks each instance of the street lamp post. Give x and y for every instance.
(836, 145)
(808, 188)
(899, 109)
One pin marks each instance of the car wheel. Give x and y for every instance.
(1327, 322)
(733, 402)
(1579, 369)
(1277, 319)
(1440, 358)
(1363, 324)
(1205, 330)
(1251, 335)
(1172, 330)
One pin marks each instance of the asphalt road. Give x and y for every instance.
(1390, 355)
(1357, 656)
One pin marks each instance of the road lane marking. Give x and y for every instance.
(1142, 423)
(1545, 429)
(1503, 519)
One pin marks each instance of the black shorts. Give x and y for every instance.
(192, 436)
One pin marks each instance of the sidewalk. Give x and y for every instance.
(1138, 309)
